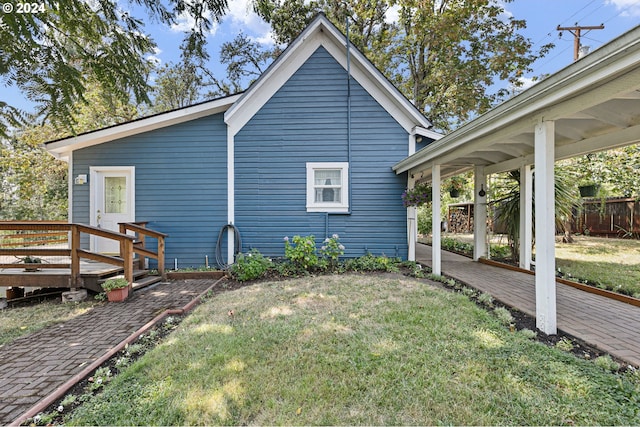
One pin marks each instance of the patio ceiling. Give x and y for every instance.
(595, 103)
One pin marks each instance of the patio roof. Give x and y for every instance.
(595, 103)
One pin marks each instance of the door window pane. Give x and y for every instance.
(115, 194)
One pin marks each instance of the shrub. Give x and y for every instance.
(250, 266)
(301, 251)
(373, 263)
(564, 344)
(607, 363)
(503, 315)
(332, 249)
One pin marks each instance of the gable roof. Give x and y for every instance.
(321, 32)
(62, 147)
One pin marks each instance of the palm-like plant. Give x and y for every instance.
(507, 205)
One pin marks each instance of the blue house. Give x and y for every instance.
(307, 149)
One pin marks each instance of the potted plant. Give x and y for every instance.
(417, 196)
(30, 260)
(588, 188)
(456, 185)
(117, 289)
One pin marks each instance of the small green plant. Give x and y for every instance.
(102, 296)
(250, 266)
(371, 262)
(468, 292)
(503, 315)
(301, 251)
(132, 349)
(100, 377)
(607, 363)
(69, 399)
(528, 333)
(564, 344)
(115, 283)
(485, 299)
(332, 249)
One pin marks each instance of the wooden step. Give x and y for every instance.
(146, 281)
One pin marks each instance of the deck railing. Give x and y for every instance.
(140, 247)
(28, 229)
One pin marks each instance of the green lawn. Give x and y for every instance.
(19, 321)
(612, 264)
(360, 350)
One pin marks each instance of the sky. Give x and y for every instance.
(542, 16)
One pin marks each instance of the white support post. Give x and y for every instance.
(479, 214)
(436, 202)
(526, 216)
(545, 228)
(412, 223)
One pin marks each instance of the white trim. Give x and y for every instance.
(322, 33)
(93, 180)
(312, 205)
(61, 149)
(70, 189)
(436, 202)
(419, 130)
(231, 196)
(479, 214)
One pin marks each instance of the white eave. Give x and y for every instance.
(321, 32)
(595, 103)
(63, 147)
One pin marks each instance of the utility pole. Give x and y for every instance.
(575, 30)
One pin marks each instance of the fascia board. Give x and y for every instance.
(61, 148)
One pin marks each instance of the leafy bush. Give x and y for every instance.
(332, 249)
(250, 266)
(607, 363)
(503, 315)
(301, 251)
(425, 220)
(371, 262)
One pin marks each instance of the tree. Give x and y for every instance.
(246, 60)
(177, 86)
(34, 183)
(444, 55)
(51, 55)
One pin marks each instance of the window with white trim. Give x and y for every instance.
(328, 187)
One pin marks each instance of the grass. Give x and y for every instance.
(19, 321)
(356, 349)
(612, 264)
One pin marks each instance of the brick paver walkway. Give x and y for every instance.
(34, 366)
(604, 323)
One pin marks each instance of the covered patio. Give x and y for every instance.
(592, 105)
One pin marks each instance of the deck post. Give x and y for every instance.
(127, 257)
(526, 216)
(161, 269)
(436, 221)
(479, 214)
(545, 227)
(75, 257)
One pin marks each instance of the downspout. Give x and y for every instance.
(348, 212)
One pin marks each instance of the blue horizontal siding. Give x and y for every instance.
(181, 184)
(306, 121)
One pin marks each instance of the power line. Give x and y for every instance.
(576, 31)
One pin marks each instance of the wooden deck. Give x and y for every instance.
(65, 264)
(607, 324)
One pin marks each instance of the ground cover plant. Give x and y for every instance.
(18, 321)
(357, 349)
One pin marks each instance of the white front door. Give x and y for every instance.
(112, 202)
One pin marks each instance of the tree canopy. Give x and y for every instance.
(444, 55)
(51, 54)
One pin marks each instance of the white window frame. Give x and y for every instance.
(312, 205)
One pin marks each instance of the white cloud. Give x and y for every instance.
(527, 82)
(155, 58)
(628, 7)
(243, 17)
(393, 14)
(185, 23)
